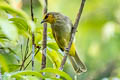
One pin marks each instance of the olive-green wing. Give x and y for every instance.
(57, 40)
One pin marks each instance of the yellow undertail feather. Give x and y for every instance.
(72, 50)
(77, 64)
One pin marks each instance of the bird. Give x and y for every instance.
(62, 26)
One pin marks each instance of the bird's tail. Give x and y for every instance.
(77, 64)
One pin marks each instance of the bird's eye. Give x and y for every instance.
(46, 16)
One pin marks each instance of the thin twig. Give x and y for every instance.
(26, 53)
(73, 34)
(33, 38)
(31, 60)
(43, 65)
(29, 55)
(26, 50)
(21, 52)
(23, 62)
(32, 15)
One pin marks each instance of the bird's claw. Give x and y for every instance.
(67, 49)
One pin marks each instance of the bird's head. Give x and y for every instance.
(52, 17)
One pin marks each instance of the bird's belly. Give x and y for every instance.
(61, 39)
(62, 36)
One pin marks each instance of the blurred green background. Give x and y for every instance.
(97, 38)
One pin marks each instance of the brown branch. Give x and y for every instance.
(44, 47)
(33, 38)
(32, 15)
(73, 34)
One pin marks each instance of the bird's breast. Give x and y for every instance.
(61, 33)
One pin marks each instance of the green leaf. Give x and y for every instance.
(54, 57)
(30, 73)
(38, 57)
(31, 78)
(18, 12)
(8, 29)
(22, 31)
(22, 26)
(52, 45)
(3, 63)
(7, 76)
(51, 78)
(20, 21)
(10, 58)
(56, 71)
(13, 67)
(2, 36)
(3, 14)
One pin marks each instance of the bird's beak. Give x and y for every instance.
(43, 21)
